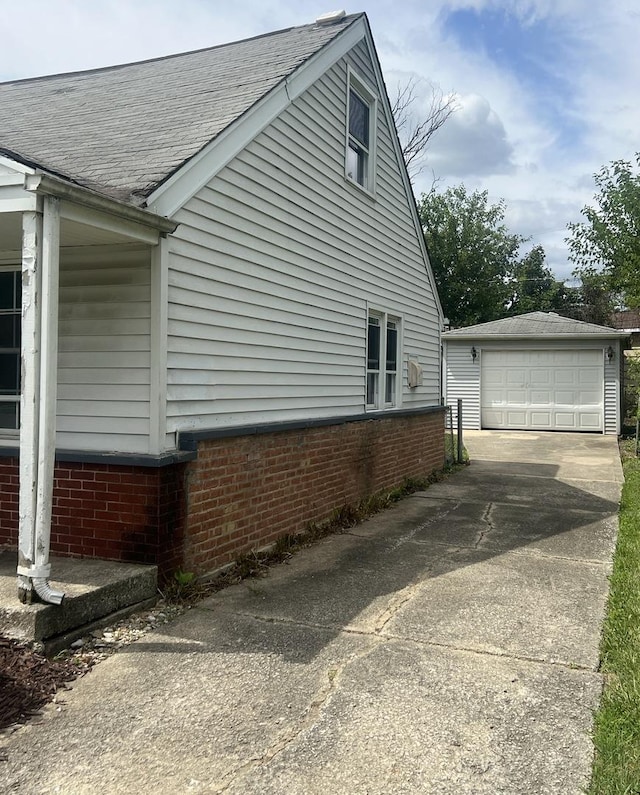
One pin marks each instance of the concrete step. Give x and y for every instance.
(96, 593)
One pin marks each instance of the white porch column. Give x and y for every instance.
(40, 278)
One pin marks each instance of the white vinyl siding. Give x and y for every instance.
(272, 269)
(104, 350)
(612, 392)
(462, 382)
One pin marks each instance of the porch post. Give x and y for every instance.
(40, 277)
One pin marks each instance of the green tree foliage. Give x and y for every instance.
(608, 242)
(592, 301)
(472, 254)
(535, 288)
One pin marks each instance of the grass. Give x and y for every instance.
(616, 769)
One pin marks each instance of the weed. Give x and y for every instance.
(186, 587)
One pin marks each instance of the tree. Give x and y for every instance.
(472, 254)
(535, 288)
(592, 301)
(608, 242)
(415, 130)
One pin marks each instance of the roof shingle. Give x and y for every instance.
(533, 324)
(123, 130)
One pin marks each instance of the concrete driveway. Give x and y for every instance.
(448, 645)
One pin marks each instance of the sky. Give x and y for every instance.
(546, 91)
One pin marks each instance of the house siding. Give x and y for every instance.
(104, 349)
(612, 393)
(274, 266)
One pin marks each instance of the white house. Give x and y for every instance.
(537, 371)
(214, 298)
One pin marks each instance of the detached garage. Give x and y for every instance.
(538, 372)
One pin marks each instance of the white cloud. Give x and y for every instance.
(537, 152)
(473, 142)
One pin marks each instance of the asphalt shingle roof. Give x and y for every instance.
(123, 130)
(533, 324)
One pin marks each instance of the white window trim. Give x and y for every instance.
(385, 317)
(10, 433)
(369, 96)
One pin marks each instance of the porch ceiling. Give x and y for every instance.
(72, 234)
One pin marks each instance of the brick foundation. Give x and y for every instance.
(113, 512)
(247, 491)
(240, 493)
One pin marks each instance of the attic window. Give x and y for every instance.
(361, 116)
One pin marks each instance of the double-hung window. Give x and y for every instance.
(383, 357)
(361, 129)
(10, 335)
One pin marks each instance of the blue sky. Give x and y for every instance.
(545, 90)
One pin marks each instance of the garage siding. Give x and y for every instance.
(612, 392)
(462, 382)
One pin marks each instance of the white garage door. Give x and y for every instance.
(542, 390)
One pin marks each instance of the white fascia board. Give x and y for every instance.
(23, 204)
(197, 172)
(19, 168)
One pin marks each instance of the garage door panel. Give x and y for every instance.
(590, 376)
(516, 397)
(564, 397)
(542, 390)
(540, 378)
(588, 398)
(541, 397)
(541, 419)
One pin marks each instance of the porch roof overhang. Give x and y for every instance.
(87, 217)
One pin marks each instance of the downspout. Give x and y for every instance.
(41, 254)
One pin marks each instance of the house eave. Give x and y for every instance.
(46, 184)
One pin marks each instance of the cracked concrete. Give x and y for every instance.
(447, 645)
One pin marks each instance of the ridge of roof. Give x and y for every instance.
(122, 130)
(169, 56)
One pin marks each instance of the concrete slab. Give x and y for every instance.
(535, 608)
(185, 711)
(574, 455)
(540, 487)
(409, 719)
(573, 534)
(93, 589)
(448, 645)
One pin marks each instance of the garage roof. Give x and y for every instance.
(534, 324)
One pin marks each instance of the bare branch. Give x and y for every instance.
(415, 134)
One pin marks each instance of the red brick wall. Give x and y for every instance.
(106, 511)
(247, 491)
(241, 492)
(9, 487)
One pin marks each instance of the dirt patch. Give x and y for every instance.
(28, 680)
